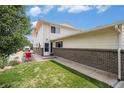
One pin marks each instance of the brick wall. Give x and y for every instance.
(38, 51)
(102, 59)
(122, 64)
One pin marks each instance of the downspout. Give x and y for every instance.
(119, 51)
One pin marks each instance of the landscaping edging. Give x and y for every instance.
(5, 68)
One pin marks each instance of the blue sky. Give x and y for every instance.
(82, 17)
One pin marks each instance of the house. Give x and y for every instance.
(101, 48)
(44, 32)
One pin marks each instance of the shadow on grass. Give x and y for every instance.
(94, 81)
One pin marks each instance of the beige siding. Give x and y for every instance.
(42, 33)
(64, 31)
(38, 39)
(102, 39)
(46, 34)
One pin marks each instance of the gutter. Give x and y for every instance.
(119, 51)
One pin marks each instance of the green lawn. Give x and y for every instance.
(47, 74)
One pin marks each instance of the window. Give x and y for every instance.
(55, 29)
(59, 44)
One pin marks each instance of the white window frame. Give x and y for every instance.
(56, 28)
(57, 42)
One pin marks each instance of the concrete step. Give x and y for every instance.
(120, 84)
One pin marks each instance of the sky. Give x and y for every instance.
(80, 16)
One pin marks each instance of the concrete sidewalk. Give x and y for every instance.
(37, 57)
(104, 76)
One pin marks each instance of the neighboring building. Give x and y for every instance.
(44, 32)
(102, 48)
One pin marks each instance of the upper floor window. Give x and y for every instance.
(55, 29)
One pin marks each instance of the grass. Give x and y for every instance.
(48, 74)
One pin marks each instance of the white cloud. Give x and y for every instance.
(82, 8)
(47, 8)
(74, 8)
(102, 8)
(78, 9)
(34, 24)
(64, 8)
(34, 11)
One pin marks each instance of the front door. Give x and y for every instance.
(51, 46)
(46, 49)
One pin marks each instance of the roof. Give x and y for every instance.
(38, 26)
(91, 30)
(66, 24)
(62, 25)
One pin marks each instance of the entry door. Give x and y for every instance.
(46, 49)
(51, 50)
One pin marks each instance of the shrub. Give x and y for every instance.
(3, 61)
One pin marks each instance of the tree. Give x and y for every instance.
(14, 25)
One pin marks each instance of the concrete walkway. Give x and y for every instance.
(120, 84)
(106, 77)
(37, 57)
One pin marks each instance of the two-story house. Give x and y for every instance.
(101, 47)
(44, 32)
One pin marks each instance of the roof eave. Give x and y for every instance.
(59, 25)
(85, 31)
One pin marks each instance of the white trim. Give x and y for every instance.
(43, 21)
(43, 40)
(119, 50)
(119, 63)
(47, 53)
